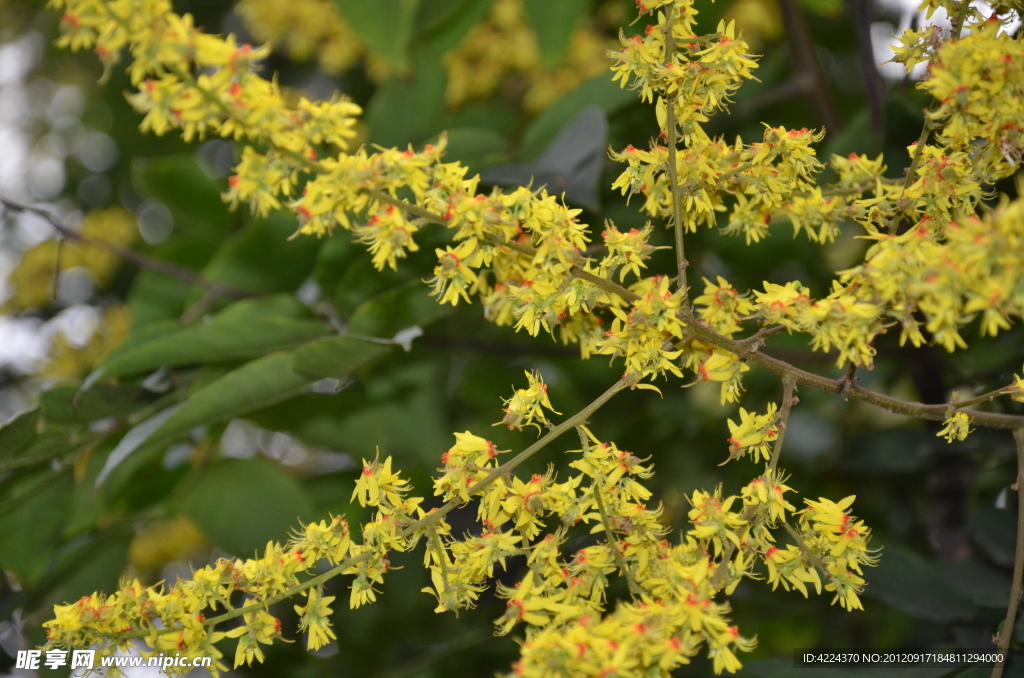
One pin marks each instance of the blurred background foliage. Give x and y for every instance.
(256, 448)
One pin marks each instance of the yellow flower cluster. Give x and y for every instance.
(526, 407)
(753, 433)
(957, 427)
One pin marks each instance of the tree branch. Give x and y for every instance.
(806, 59)
(141, 260)
(874, 87)
(788, 400)
(673, 175)
(1006, 634)
(613, 543)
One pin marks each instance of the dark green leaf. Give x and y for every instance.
(240, 505)
(600, 91)
(256, 384)
(398, 308)
(917, 586)
(386, 26)
(892, 451)
(995, 530)
(554, 22)
(59, 407)
(246, 329)
(476, 147)
(261, 258)
(192, 196)
(156, 298)
(97, 567)
(407, 110)
(445, 22)
(29, 530)
(334, 357)
(17, 434)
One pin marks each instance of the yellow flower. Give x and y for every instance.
(956, 427)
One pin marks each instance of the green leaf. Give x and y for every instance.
(259, 383)
(445, 22)
(334, 357)
(260, 258)
(407, 110)
(995, 531)
(892, 451)
(396, 309)
(156, 298)
(386, 26)
(554, 23)
(476, 147)
(917, 586)
(98, 566)
(59, 407)
(600, 91)
(246, 329)
(240, 505)
(17, 434)
(193, 198)
(29, 531)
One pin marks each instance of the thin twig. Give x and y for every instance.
(936, 412)
(805, 57)
(56, 268)
(613, 543)
(755, 341)
(788, 400)
(874, 86)
(673, 173)
(1006, 634)
(137, 258)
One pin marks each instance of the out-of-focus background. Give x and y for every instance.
(504, 78)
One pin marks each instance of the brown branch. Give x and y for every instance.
(141, 260)
(893, 405)
(613, 543)
(1006, 634)
(788, 400)
(806, 58)
(874, 87)
(673, 174)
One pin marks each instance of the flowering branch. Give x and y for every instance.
(578, 419)
(746, 348)
(613, 543)
(677, 199)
